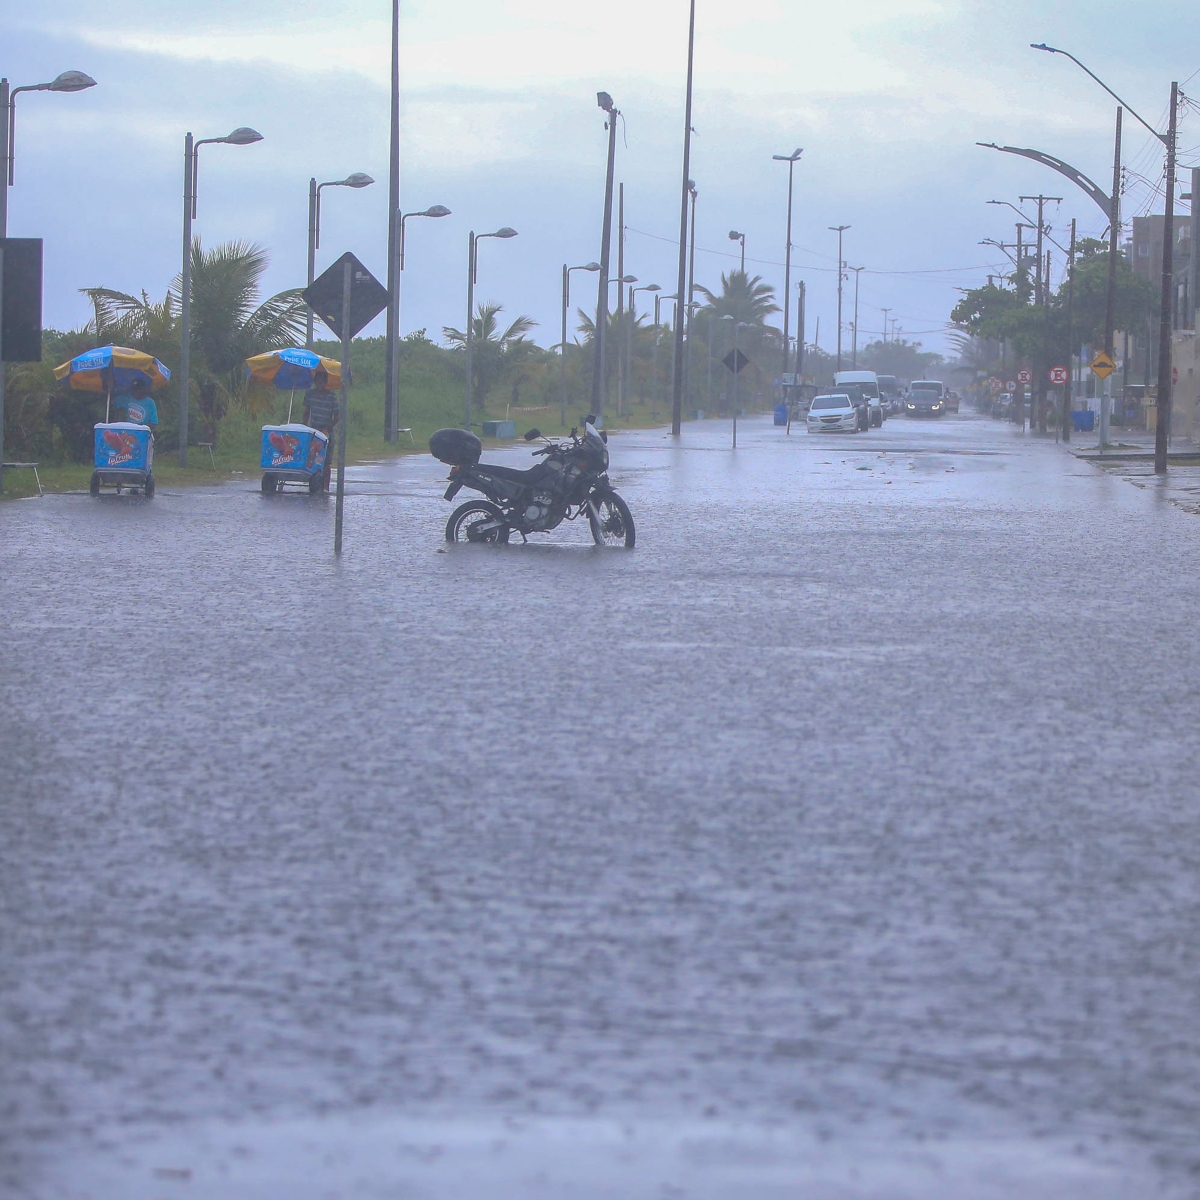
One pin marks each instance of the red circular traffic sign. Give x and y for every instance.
(996, 385)
(1058, 375)
(1024, 375)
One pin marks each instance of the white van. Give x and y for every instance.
(867, 382)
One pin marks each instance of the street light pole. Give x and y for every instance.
(68, 81)
(681, 286)
(839, 230)
(434, 210)
(689, 308)
(358, 180)
(734, 236)
(599, 380)
(566, 301)
(472, 269)
(791, 160)
(391, 382)
(650, 287)
(242, 136)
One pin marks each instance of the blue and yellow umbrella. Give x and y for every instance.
(293, 369)
(112, 369)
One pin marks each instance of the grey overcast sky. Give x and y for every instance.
(887, 98)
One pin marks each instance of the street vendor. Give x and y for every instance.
(321, 412)
(138, 404)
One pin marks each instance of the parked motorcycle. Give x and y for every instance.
(570, 482)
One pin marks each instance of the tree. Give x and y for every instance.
(743, 298)
(229, 323)
(493, 352)
(905, 360)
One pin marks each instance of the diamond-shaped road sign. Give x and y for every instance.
(735, 360)
(368, 297)
(1102, 365)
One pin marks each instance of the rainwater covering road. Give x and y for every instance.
(840, 841)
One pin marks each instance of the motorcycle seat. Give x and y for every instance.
(512, 473)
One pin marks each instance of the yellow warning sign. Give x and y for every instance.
(1102, 365)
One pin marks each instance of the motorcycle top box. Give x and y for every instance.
(455, 447)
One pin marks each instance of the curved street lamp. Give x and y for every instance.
(68, 81)
(562, 348)
(242, 136)
(791, 160)
(1168, 139)
(734, 236)
(503, 232)
(358, 180)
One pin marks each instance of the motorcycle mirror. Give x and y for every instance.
(533, 434)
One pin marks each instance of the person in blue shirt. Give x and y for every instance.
(139, 405)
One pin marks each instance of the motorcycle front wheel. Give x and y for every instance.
(465, 519)
(611, 521)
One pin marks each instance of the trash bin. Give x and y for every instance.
(781, 414)
(1083, 421)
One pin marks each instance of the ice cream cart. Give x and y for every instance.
(123, 458)
(293, 453)
(123, 451)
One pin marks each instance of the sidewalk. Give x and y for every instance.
(1130, 455)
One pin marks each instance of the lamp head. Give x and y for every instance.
(651, 287)
(243, 136)
(629, 279)
(358, 180)
(593, 266)
(604, 101)
(793, 157)
(436, 210)
(503, 232)
(71, 81)
(1043, 46)
(734, 236)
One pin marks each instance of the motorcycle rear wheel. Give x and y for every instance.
(612, 523)
(466, 516)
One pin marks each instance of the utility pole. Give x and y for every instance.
(854, 352)
(1040, 297)
(1110, 300)
(680, 290)
(391, 383)
(885, 312)
(689, 310)
(800, 331)
(839, 230)
(1163, 420)
(605, 101)
(1065, 419)
(620, 325)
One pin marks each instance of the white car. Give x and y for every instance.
(833, 413)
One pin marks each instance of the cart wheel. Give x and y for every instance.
(270, 485)
(94, 486)
(148, 490)
(316, 483)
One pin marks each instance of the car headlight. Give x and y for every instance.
(936, 404)
(912, 406)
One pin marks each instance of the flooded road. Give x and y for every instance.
(842, 840)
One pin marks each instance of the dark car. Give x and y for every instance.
(921, 403)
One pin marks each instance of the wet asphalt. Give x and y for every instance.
(841, 840)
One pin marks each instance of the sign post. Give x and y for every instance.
(735, 360)
(346, 297)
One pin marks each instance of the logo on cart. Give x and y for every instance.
(121, 446)
(314, 452)
(285, 447)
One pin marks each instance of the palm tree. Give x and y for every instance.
(230, 324)
(492, 351)
(743, 298)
